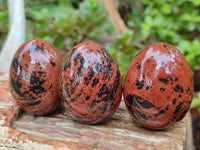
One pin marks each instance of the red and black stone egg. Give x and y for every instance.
(34, 75)
(158, 88)
(90, 85)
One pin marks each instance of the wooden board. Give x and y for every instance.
(19, 130)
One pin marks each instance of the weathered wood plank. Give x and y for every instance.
(56, 131)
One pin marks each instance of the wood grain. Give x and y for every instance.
(19, 130)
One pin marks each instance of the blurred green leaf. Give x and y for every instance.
(59, 42)
(196, 2)
(40, 15)
(166, 9)
(113, 52)
(123, 62)
(47, 38)
(96, 36)
(28, 35)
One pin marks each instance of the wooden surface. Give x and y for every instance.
(19, 130)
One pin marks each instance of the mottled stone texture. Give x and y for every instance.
(34, 75)
(19, 130)
(158, 88)
(90, 84)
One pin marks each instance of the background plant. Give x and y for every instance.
(3, 21)
(64, 25)
(174, 22)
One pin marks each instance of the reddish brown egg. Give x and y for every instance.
(34, 75)
(158, 87)
(90, 84)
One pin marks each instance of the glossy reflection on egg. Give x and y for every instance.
(90, 85)
(34, 75)
(158, 87)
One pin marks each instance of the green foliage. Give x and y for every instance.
(191, 50)
(3, 20)
(175, 22)
(123, 50)
(3, 4)
(196, 102)
(64, 26)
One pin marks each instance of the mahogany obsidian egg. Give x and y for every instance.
(34, 75)
(90, 84)
(158, 87)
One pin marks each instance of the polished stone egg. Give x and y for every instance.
(34, 75)
(90, 85)
(158, 87)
